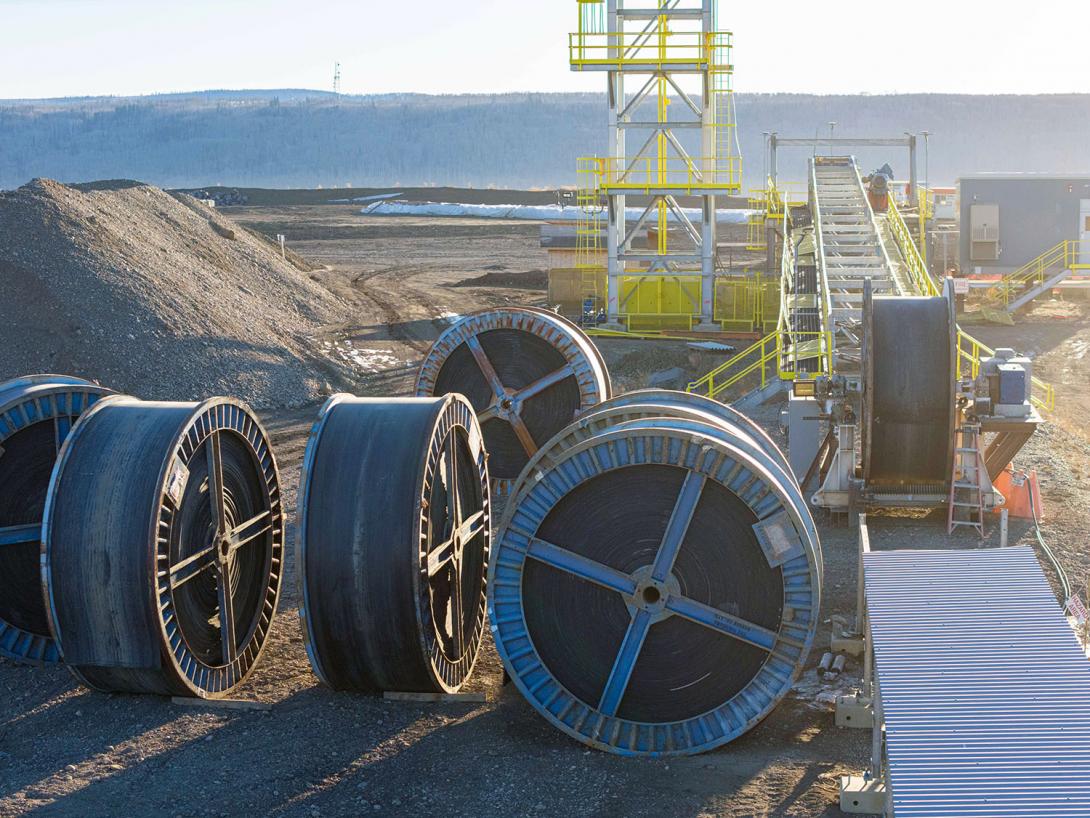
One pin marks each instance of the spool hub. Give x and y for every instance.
(163, 571)
(36, 414)
(656, 590)
(527, 372)
(394, 536)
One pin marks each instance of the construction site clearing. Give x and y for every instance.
(654, 495)
(386, 287)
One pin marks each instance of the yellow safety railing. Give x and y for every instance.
(917, 269)
(682, 174)
(766, 357)
(1064, 256)
(589, 244)
(658, 48)
(971, 352)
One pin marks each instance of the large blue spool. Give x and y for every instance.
(655, 586)
(36, 414)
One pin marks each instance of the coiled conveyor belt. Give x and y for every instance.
(527, 372)
(655, 582)
(36, 414)
(162, 569)
(909, 407)
(394, 535)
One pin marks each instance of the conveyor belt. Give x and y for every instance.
(983, 687)
(849, 252)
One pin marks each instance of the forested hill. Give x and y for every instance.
(298, 138)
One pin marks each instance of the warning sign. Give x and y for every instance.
(1077, 609)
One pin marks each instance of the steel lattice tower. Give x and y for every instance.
(658, 56)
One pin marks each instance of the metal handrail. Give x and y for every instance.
(1064, 256)
(921, 278)
(971, 352)
(621, 48)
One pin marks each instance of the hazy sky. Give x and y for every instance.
(52, 48)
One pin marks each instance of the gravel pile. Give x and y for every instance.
(156, 295)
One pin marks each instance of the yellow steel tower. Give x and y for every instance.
(669, 93)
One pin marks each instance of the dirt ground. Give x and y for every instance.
(65, 750)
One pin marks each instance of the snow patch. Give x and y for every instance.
(545, 213)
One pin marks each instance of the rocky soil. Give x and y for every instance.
(156, 295)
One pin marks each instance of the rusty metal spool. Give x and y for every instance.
(909, 391)
(655, 590)
(163, 541)
(645, 403)
(527, 372)
(393, 543)
(36, 414)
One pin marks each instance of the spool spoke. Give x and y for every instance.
(439, 557)
(625, 662)
(682, 515)
(523, 433)
(451, 463)
(192, 565)
(471, 527)
(581, 567)
(215, 483)
(717, 620)
(238, 536)
(485, 365)
(456, 607)
(543, 383)
(17, 534)
(227, 614)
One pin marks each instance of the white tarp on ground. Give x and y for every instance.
(544, 213)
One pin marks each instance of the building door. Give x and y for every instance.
(1084, 232)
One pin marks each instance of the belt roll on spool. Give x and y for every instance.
(909, 407)
(36, 414)
(652, 403)
(394, 535)
(656, 590)
(163, 542)
(527, 372)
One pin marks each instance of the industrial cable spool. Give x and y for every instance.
(36, 414)
(394, 536)
(163, 542)
(909, 392)
(655, 591)
(647, 403)
(527, 372)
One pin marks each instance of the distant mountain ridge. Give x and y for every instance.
(305, 138)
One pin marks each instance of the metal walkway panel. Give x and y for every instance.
(984, 688)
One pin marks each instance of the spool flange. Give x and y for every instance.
(36, 414)
(527, 372)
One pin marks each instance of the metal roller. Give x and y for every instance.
(36, 414)
(527, 372)
(655, 591)
(394, 536)
(909, 406)
(163, 546)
